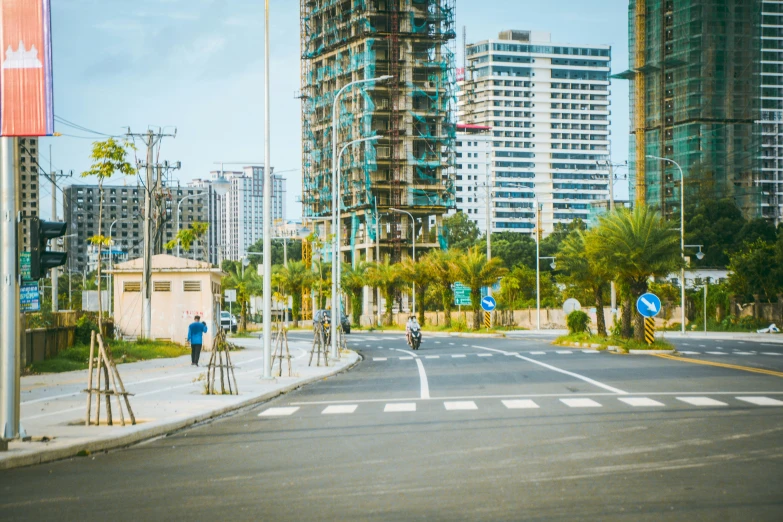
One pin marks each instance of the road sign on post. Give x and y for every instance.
(648, 305)
(571, 305)
(231, 296)
(461, 295)
(488, 303)
(487, 320)
(649, 330)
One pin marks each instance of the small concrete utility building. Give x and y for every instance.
(181, 289)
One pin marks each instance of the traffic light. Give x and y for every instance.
(41, 260)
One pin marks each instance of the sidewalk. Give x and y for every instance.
(168, 396)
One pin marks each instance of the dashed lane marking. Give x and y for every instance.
(279, 412)
(460, 356)
(742, 353)
(380, 359)
(715, 353)
(564, 351)
(340, 409)
(691, 353)
(536, 353)
(460, 405)
(771, 353)
(406, 358)
(432, 356)
(396, 407)
(580, 403)
(591, 351)
(484, 354)
(761, 401)
(520, 404)
(641, 401)
(701, 401)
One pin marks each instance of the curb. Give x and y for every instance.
(121, 441)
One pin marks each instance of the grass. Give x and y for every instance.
(627, 344)
(244, 335)
(76, 358)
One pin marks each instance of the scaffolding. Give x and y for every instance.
(412, 166)
(694, 100)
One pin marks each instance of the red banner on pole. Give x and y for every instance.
(26, 98)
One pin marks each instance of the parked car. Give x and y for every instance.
(344, 321)
(228, 321)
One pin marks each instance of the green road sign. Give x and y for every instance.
(24, 265)
(461, 294)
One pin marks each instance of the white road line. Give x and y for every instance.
(553, 368)
(641, 401)
(719, 347)
(437, 342)
(396, 407)
(520, 404)
(484, 354)
(701, 401)
(537, 353)
(742, 353)
(564, 351)
(406, 358)
(432, 356)
(278, 412)
(379, 359)
(580, 403)
(591, 351)
(451, 344)
(685, 344)
(464, 345)
(691, 353)
(761, 401)
(740, 342)
(458, 356)
(702, 346)
(768, 344)
(339, 409)
(771, 353)
(716, 353)
(460, 405)
(425, 387)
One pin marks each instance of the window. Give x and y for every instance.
(131, 286)
(191, 286)
(161, 286)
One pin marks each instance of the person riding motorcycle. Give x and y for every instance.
(412, 324)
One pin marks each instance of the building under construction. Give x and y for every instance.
(695, 99)
(410, 167)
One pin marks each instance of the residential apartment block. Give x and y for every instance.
(547, 109)
(26, 163)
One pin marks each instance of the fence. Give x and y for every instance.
(43, 343)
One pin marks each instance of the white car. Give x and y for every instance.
(228, 321)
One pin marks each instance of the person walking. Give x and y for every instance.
(196, 330)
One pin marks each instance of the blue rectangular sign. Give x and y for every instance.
(29, 297)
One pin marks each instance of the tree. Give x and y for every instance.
(293, 248)
(757, 269)
(460, 231)
(109, 158)
(294, 279)
(354, 279)
(635, 245)
(583, 272)
(474, 271)
(417, 273)
(385, 276)
(443, 275)
(186, 237)
(518, 289)
(716, 225)
(513, 248)
(247, 283)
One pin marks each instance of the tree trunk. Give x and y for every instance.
(626, 327)
(296, 307)
(638, 332)
(446, 303)
(600, 320)
(420, 300)
(100, 244)
(356, 307)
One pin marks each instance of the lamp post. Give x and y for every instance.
(336, 203)
(682, 237)
(413, 227)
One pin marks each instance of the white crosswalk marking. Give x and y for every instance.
(520, 404)
(379, 359)
(641, 401)
(580, 403)
(537, 353)
(432, 356)
(701, 401)
(278, 412)
(339, 409)
(761, 401)
(771, 353)
(460, 405)
(396, 407)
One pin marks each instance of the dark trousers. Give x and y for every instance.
(195, 353)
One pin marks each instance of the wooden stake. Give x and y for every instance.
(113, 382)
(89, 379)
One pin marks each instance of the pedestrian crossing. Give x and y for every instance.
(549, 403)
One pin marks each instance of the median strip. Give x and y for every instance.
(721, 365)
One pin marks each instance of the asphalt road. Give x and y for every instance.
(463, 429)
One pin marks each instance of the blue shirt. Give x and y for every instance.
(195, 331)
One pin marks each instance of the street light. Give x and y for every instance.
(413, 227)
(682, 237)
(336, 202)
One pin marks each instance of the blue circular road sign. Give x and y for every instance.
(488, 303)
(648, 305)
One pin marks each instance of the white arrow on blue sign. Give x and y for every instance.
(648, 305)
(488, 303)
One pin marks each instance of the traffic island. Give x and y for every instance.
(614, 344)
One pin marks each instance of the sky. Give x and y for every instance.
(197, 66)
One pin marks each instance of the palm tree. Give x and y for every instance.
(476, 272)
(634, 246)
(585, 273)
(354, 279)
(386, 276)
(247, 283)
(294, 280)
(418, 274)
(440, 268)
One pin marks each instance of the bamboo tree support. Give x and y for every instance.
(102, 363)
(281, 342)
(221, 348)
(320, 346)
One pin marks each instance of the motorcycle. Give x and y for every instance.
(414, 340)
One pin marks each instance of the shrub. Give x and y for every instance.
(459, 325)
(578, 322)
(84, 325)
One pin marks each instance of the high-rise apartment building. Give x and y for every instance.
(473, 179)
(26, 162)
(547, 105)
(410, 168)
(242, 218)
(706, 94)
(770, 123)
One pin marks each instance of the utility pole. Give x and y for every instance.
(150, 139)
(267, 206)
